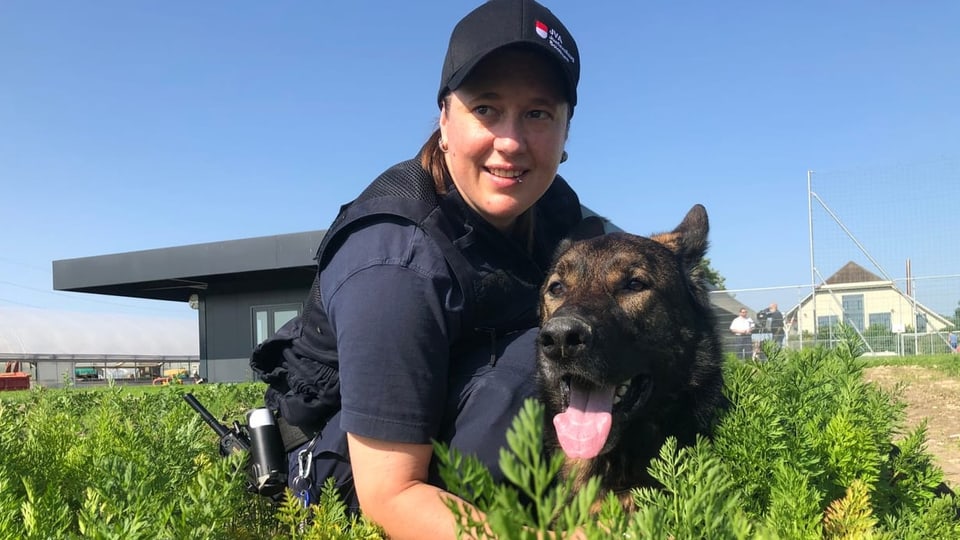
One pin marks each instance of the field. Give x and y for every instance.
(932, 394)
(804, 452)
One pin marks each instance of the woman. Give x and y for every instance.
(422, 321)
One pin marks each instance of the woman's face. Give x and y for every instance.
(505, 128)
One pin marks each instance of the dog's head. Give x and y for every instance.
(622, 317)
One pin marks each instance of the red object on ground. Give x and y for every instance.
(17, 380)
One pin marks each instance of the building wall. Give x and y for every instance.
(880, 298)
(53, 373)
(228, 333)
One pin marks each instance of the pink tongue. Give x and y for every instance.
(583, 428)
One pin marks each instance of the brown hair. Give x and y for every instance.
(433, 161)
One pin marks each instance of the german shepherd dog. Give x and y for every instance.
(628, 352)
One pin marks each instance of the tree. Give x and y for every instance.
(714, 278)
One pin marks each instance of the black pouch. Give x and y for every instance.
(301, 369)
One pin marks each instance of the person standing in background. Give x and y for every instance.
(773, 324)
(742, 327)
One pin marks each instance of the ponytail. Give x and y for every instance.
(432, 161)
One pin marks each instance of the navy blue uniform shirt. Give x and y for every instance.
(392, 302)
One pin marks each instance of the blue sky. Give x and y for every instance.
(138, 125)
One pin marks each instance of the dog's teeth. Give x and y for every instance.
(621, 390)
(617, 399)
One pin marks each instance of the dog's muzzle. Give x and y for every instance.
(565, 337)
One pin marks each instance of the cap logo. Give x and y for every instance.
(542, 30)
(555, 40)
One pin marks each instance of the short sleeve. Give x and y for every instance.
(393, 305)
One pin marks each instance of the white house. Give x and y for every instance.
(861, 299)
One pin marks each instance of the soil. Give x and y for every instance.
(935, 396)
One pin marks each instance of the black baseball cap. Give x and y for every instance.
(499, 23)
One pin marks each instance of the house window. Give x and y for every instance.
(826, 322)
(921, 322)
(853, 310)
(268, 319)
(880, 320)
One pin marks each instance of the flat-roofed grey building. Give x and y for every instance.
(243, 290)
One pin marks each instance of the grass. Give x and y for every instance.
(949, 364)
(19, 396)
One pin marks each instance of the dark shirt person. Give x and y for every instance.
(422, 321)
(773, 323)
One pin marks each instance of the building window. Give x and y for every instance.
(921, 322)
(826, 322)
(853, 310)
(880, 320)
(268, 319)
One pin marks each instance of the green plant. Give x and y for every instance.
(113, 464)
(533, 476)
(805, 450)
(327, 520)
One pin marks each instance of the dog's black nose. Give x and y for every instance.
(565, 337)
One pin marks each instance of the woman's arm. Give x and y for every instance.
(390, 299)
(391, 483)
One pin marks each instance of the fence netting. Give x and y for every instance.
(886, 263)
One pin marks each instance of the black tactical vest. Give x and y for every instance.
(499, 280)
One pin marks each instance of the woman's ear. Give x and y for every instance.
(443, 120)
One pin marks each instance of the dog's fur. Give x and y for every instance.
(620, 308)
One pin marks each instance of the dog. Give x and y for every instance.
(628, 353)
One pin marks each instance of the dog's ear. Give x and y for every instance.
(689, 239)
(588, 227)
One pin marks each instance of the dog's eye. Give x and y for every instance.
(556, 288)
(637, 285)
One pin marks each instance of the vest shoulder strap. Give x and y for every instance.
(405, 190)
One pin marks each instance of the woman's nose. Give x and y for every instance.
(509, 137)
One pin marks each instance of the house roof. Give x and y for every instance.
(177, 272)
(852, 273)
(724, 303)
(852, 277)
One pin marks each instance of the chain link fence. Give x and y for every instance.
(885, 261)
